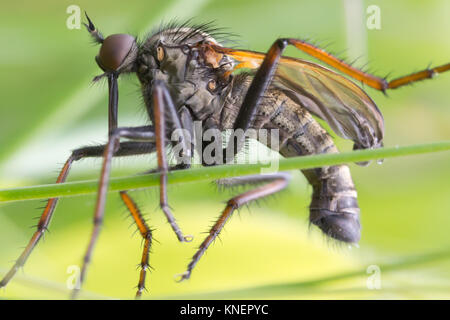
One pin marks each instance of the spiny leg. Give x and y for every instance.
(162, 102)
(143, 228)
(41, 227)
(125, 149)
(136, 133)
(146, 234)
(367, 78)
(274, 183)
(357, 74)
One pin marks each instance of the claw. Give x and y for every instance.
(182, 276)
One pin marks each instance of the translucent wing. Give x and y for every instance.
(348, 110)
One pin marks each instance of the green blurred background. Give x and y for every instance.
(49, 107)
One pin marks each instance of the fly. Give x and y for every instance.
(188, 76)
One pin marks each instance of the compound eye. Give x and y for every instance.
(160, 53)
(114, 51)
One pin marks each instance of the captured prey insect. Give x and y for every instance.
(186, 76)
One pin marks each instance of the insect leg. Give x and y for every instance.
(260, 83)
(373, 81)
(367, 78)
(274, 183)
(162, 103)
(125, 149)
(187, 124)
(146, 234)
(130, 133)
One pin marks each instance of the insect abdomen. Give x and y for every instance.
(334, 206)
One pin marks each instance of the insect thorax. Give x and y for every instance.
(175, 57)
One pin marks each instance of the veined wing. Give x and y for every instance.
(348, 110)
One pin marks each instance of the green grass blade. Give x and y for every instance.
(212, 173)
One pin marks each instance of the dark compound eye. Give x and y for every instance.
(114, 51)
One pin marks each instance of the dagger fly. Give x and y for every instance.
(188, 77)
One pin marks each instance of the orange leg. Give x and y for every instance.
(42, 226)
(125, 149)
(250, 59)
(369, 79)
(274, 183)
(146, 234)
(161, 102)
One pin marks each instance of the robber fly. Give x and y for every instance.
(186, 76)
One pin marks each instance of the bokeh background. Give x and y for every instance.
(48, 107)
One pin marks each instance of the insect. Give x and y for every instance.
(187, 76)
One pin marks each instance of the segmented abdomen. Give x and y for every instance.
(334, 207)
